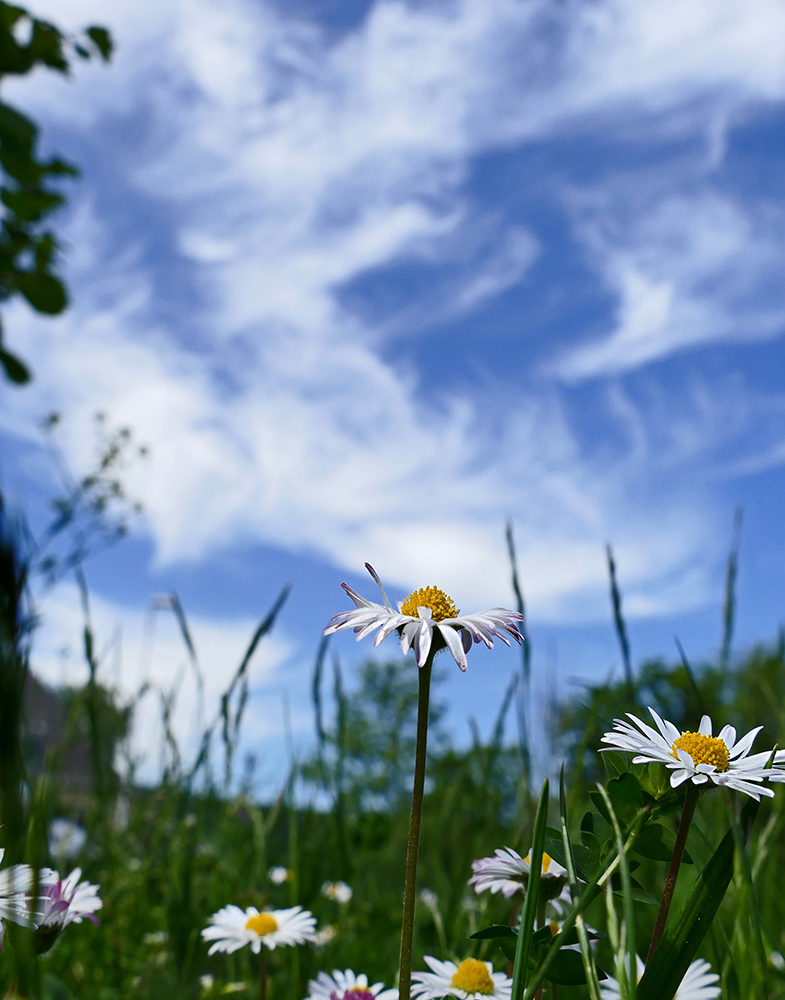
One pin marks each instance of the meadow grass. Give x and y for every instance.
(166, 857)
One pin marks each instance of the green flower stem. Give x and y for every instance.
(410, 883)
(690, 801)
(263, 974)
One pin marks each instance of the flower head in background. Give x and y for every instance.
(278, 874)
(470, 980)
(339, 891)
(15, 885)
(325, 935)
(66, 838)
(507, 872)
(66, 901)
(425, 614)
(347, 986)
(695, 756)
(699, 983)
(232, 928)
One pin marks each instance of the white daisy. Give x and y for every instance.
(699, 983)
(471, 980)
(425, 614)
(278, 874)
(339, 891)
(66, 901)
(232, 928)
(507, 872)
(696, 756)
(15, 885)
(347, 986)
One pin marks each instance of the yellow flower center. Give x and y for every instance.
(262, 923)
(440, 604)
(546, 861)
(703, 750)
(472, 976)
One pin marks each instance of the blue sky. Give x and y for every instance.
(371, 278)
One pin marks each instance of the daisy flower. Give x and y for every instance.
(66, 901)
(232, 928)
(347, 986)
(339, 891)
(471, 980)
(15, 885)
(425, 615)
(698, 757)
(507, 872)
(699, 983)
(278, 874)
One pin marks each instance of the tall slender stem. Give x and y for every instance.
(410, 883)
(690, 802)
(263, 974)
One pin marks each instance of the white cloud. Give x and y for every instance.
(288, 166)
(689, 270)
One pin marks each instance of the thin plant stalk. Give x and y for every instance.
(415, 820)
(587, 957)
(690, 801)
(263, 974)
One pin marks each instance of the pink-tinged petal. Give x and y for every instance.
(744, 745)
(367, 629)
(390, 626)
(705, 727)
(454, 644)
(375, 575)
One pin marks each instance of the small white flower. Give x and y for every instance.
(471, 980)
(507, 872)
(347, 986)
(66, 901)
(426, 613)
(232, 928)
(156, 939)
(278, 874)
(339, 892)
(15, 885)
(699, 983)
(66, 838)
(695, 756)
(325, 935)
(206, 982)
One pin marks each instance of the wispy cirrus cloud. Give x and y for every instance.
(276, 167)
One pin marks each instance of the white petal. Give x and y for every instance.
(454, 643)
(705, 727)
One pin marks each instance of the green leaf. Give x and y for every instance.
(43, 291)
(15, 370)
(495, 931)
(585, 861)
(685, 931)
(656, 843)
(15, 128)
(102, 40)
(626, 788)
(566, 969)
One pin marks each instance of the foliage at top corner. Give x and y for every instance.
(28, 246)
